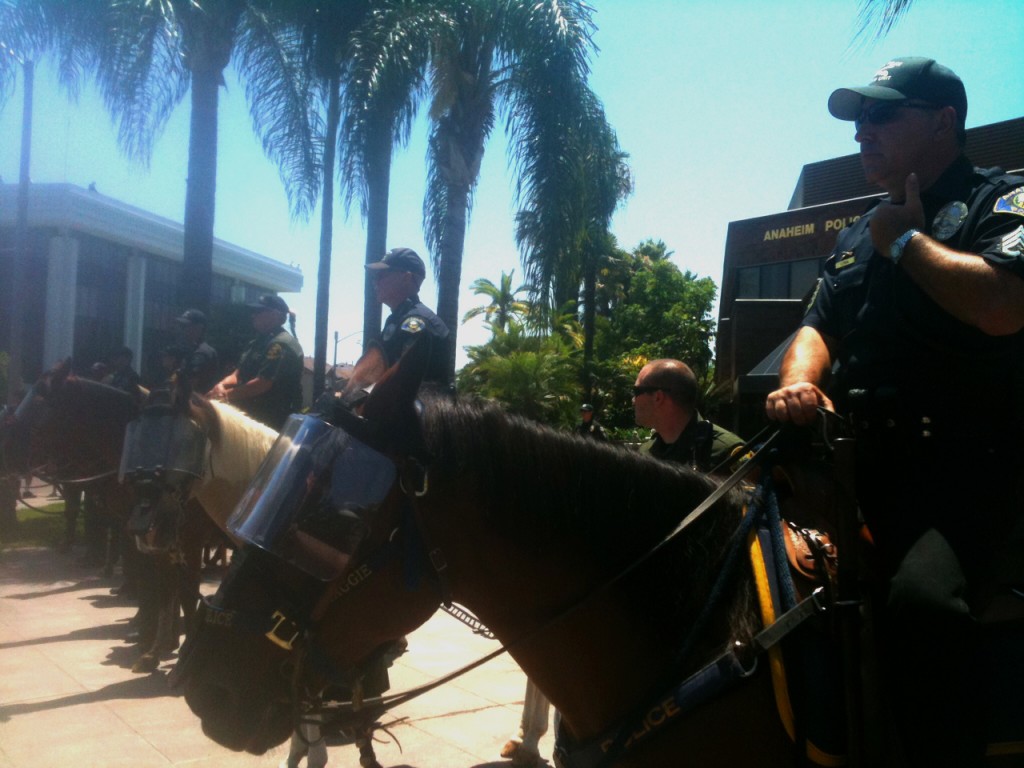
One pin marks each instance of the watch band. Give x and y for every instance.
(896, 249)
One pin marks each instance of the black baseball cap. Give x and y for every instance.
(908, 77)
(269, 301)
(191, 317)
(587, 407)
(401, 260)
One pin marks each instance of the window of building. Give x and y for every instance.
(783, 280)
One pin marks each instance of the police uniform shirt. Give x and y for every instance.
(202, 367)
(892, 335)
(126, 379)
(405, 325)
(702, 446)
(276, 356)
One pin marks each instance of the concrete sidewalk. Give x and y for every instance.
(68, 696)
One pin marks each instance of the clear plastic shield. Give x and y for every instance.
(312, 497)
(160, 439)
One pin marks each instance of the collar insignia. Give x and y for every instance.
(1013, 243)
(948, 220)
(1011, 202)
(413, 324)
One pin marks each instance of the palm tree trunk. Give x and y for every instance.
(323, 277)
(200, 192)
(378, 181)
(453, 242)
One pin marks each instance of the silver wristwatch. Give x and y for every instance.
(896, 249)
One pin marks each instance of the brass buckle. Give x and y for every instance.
(272, 636)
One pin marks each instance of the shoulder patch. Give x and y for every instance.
(413, 324)
(1013, 243)
(1011, 202)
(273, 351)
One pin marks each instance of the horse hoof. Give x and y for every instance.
(145, 664)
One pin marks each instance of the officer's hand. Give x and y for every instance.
(892, 219)
(797, 403)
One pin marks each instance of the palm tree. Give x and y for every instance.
(503, 307)
(523, 58)
(386, 66)
(878, 17)
(563, 237)
(145, 57)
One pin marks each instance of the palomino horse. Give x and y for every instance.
(361, 532)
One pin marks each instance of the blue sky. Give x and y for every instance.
(719, 104)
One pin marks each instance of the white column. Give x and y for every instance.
(61, 292)
(135, 306)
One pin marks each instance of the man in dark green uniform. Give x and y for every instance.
(267, 384)
(199, 363)
(665, 399)
(917, 331)
(397, 278)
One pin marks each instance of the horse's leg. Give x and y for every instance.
(192, 535)
(523, 747)
(72, 508)
(364, 742)
(154, 632)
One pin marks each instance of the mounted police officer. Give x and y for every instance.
(921, 311)
(397, 279)
(267, 384)
(199, 364)
(665, 399)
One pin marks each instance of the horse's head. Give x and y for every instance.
(164, 455)
(326, 532)
(66, 428)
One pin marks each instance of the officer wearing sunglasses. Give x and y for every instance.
(915, 331)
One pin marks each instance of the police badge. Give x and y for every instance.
(948, 220)
(413, 324)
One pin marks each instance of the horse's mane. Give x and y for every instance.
(238, 443)
(545, 488)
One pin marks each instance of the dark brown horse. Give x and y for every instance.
(72, 431)
(525, 526)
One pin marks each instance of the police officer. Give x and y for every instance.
(199, 363)
(589, 426)
(122, 375)
(397, 279)
(921, 310)
(665, 399)
(267, 384)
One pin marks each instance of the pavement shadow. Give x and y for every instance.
(150, 686)
(102, 632)
(90, 583)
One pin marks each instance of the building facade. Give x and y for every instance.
(773, 262)
(100, 274)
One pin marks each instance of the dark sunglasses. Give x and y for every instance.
(637, 391)
(886, 112)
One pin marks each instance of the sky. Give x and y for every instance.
(718, 104)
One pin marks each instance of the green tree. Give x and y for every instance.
(527, 59)
(504, 305)
(657, 311)
(530, 375)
